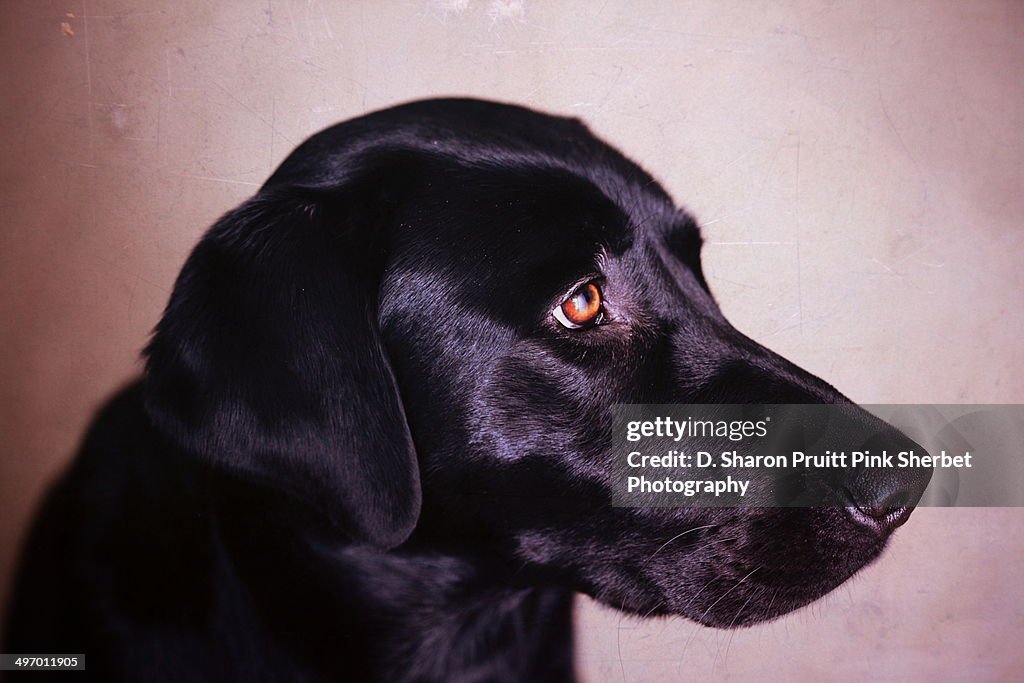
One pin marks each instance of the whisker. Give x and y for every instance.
(652, 610)
(686, 645)
(676, 537)
(726, 593)
(732, 633)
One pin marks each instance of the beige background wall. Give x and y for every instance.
(858, 166)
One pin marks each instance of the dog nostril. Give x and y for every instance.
(881, 520)
(883, 511)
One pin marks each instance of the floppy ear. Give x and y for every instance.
(268, 361)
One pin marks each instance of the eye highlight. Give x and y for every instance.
(583, 308)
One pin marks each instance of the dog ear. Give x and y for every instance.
(268, 361)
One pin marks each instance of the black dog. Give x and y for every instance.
(371, 442)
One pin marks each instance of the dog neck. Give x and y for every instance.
(411, 614)
(449, 617)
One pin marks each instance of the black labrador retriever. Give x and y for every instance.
(372, 438)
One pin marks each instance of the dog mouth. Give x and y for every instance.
(757, 567)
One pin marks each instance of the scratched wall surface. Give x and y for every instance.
(858, 167)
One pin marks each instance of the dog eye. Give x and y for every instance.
(583, 308)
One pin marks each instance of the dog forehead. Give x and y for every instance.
(528, 215)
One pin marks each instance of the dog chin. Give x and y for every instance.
(757, 608)
(741, 605)
(727, 602)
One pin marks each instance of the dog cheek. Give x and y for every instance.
(527, 407)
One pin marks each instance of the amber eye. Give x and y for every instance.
(583, 308)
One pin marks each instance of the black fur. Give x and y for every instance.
(364, 450)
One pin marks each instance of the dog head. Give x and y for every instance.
(419, 328)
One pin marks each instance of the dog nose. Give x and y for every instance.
(882, 498)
